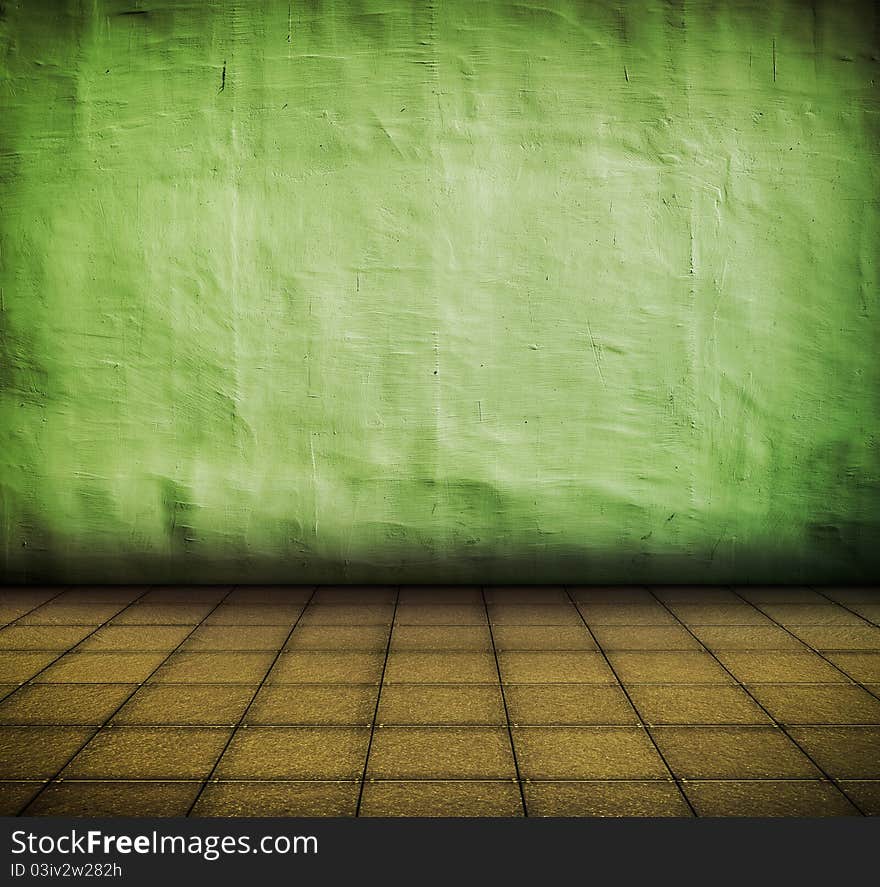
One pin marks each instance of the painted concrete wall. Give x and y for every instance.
(389, 290)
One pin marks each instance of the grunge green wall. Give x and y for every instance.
(390, 290)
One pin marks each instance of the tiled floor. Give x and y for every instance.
(430, 701)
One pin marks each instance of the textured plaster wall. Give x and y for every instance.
(389, 290)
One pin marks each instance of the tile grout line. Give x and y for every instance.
(428, 625)
(71, 649)
(519, 779)
(417, 780)
(237, 726)
(541, 683)
(61, 655)
(642, 722)
(751, 696)
(848, 609)
(438, 725)
(822, 775)
(363, 780)
(11, 624)
(812, 649)
(52, 597)
(138, 684)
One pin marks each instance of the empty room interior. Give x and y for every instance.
(450, 409)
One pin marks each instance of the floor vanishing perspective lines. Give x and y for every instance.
(425, 701)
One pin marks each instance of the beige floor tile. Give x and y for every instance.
(780, 667)
(446, 798)
(695, 704)
(186, 594)
(10, 612)
(59, 613)
(568, 704)
(542, 637)
(526, 594)
(839, 637)
(103, 594)
(612, 594)
(535, 614)
(348, 614)
(255, 614)
(71, 704)
(15, 796)
(17, 667)
(441, 667)
(864, 794)
(842, 752)
(737, 613)
(320, 667)
(157, 753)
(186, 705)
(270, 594)
(679, 667)
(214, 668)
(645, 637)
(340, 638)
(402, 753)
(617, 798)
(135, 638)
(440, 594)
(586, 753)
(450, 704)
(293, 704)
(440, 614)
(293, 753)
(851, 594)
(354, 595)
(42, 637)
(554, 667)
(37, 593)
(695, 594)
(810, 614)
(871, 612)
(818, 703)
(747, 637)
(780, 594)
(771, 798)
(162, 614)
(862, 667)
(463, 638)
(626, 614)
(278, 799)
(250, 638)
(13, 607)
(38, 752)
(101, 668)
(732, 753)
(116, 798)
(34, 595)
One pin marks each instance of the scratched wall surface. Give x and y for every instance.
(389, 290)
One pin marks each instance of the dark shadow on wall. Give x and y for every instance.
(483, 566)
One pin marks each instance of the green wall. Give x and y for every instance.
(387, 290)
